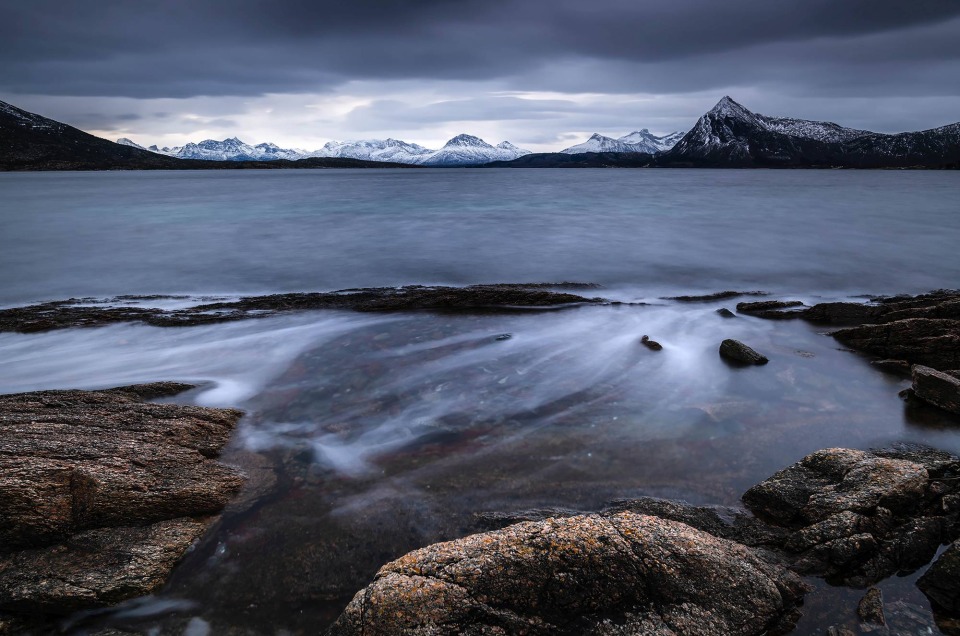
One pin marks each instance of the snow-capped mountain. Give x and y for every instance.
(231, 149)
(651, 143)
(638, 141)
(732, 136)
(374, 150)
(461, 150)
(123, 141)
(464, 150)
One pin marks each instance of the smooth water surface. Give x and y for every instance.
(805, 231)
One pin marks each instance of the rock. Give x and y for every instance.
(653, 345)
(771, 309)
(95, 568)
(870, 610)
(843, 313)
(941, 583)
(736, 351)
(87, 313)
(723, 312)
(577, 574)
(939, 389)
(930, 342)
(839, 630)
(857, 517)
(716, 296)
(897, 367)
(84, 473)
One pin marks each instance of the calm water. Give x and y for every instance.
(69, 234)
(370, 435)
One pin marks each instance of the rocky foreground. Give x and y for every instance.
(653, 566)
(101, 494)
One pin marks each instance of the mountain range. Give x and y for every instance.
(640, 141)
(460, 151)
(727, 136)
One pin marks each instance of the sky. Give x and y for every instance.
(543, 74)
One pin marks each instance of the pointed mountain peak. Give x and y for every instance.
(506, 145)
(727, 107)
(123, 141)
(467, 140)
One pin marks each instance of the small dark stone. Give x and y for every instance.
(504, 336)
(653, 345)
(726, 313)
(736, 351)
(870, 610)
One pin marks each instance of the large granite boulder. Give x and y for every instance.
(589, 574)
(101, 492)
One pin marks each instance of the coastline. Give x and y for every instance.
(925, 330)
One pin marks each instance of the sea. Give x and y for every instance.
(369, 435)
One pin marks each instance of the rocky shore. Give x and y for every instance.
(86, 312)
(101, 494)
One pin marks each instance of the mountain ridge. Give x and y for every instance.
(730, 135)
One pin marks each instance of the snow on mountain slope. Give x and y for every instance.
(465, 150)
(374, 150)
(123, 141)
(638, 141)
(730, 135)
(461, 150)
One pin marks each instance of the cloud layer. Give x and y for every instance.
(539, 68)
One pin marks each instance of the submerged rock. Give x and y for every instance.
(941, 583)
(939, 389)
(870, 610)
(736, 351)
(101, 493)
(723, 312)
(623, 573)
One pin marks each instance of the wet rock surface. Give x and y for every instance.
(923, 329)
(101, 493)
(723, 295)
(770, 308)
(939, 389)
(597, 574)
(858, 517)
(870, 610)
(739, 353)
(941, 583)
(92, 313)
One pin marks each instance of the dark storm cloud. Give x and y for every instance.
(252, 47)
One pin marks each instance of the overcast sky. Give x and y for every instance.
(543, 74)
